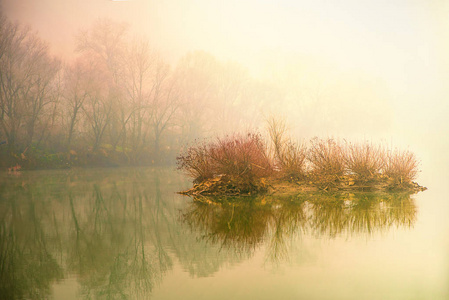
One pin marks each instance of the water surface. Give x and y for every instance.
(126, 234)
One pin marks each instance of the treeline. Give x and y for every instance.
(116, 102)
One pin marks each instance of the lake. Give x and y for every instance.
(124, 233)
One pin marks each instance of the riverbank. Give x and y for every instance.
(34, 158)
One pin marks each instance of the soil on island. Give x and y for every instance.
(224, 185)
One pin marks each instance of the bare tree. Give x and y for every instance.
(212, 97)
(196, 77)
(14, 74)
(165, 102)
(80, 80)
(231, 82)
(49, 127)
(97, 110)
(105, 43)
(41, 84)
(138, 85)
(27, 72)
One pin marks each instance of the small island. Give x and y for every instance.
(243, 165)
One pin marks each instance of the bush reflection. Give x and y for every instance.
(245, 224)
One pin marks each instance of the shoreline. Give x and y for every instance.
(224, 185)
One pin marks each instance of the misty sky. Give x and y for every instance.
(401, 45)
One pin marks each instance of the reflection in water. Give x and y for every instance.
(118, 232)
(360, 213)
(108, 230)
(244, 225)
(27, 266)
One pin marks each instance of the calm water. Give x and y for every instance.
(126, 234)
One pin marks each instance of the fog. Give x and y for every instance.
(373, 70)
(108, 83)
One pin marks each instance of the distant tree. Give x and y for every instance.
(231, 83)
(27, 72)
(196, 75)
(164, 104)
(97, 110)
(49, 129)
(105, 44)
(80, 80)
(14, 76)
(138, 86)
(213, 96)
(37, 93)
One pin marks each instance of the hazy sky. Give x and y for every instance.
(403, 44)
(375, 35)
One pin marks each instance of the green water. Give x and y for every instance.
(126, 234)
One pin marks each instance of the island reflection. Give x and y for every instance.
(244, 224)
(119, 232)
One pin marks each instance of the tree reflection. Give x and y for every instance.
(28, 265)
(117, 244)
(119, 232)
(109, 229)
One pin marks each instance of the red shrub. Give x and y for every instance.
(401, 166)
(289, 157)
(197, 163)
(239, 156)
(243, 156)
(364, 160)
(293, 161)
(326, 159)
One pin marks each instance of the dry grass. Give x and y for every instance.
(364, 160)
(401, 166)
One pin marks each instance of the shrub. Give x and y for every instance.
(239, 156)
(277, 131)
(243, 156)
(293, 161)
(364, 160)
(401, 166)
(196, 162)
(289, 157)
(326, 159)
